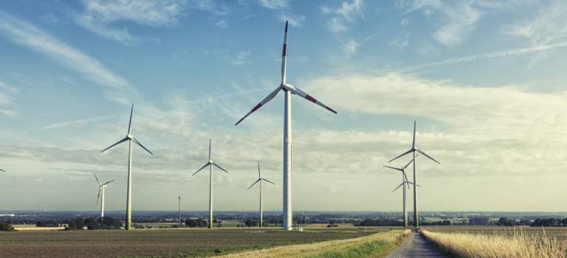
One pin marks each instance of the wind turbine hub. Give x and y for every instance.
(210, 162)
(129, 136)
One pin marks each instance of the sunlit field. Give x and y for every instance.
(160, 242)
(499, 241)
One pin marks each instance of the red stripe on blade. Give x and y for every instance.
(311, 99)
(257, 107)
(284, 49)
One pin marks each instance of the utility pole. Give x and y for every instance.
(179, 214)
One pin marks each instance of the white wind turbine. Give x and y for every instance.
(405, 182)
(210, 164)
(260, 180)
(413, 150)
(101, 188)
(288, 89)
(130, 138)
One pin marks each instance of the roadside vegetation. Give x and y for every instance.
(502, 243)
(376, 245)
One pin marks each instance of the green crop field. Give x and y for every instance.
(158, 242)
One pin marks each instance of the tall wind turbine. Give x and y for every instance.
(130, 138)
(210, 164)
(260, 180)
(288, 89)
(101, 188)
(405, 182)
(179, 214)
(413, 150)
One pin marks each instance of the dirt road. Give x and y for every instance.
(416, 246)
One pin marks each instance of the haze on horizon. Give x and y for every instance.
(485, 81)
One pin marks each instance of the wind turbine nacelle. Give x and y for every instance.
(288, 87)
(130, 136)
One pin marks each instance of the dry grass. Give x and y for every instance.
(376, 245)
(501, 244)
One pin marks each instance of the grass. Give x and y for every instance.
(375, 245)
(158, 242)
(498, 243)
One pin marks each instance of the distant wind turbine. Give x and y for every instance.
(413, 150)
(210, 164)
(405, 182)
(179, 214)
(288, 89)
(101, 189)
(260, 180)
(130, 138)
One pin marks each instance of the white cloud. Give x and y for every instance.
(400, 43)
(350, 47)
(241, 58)
(547, 26)
(295, 21)
(222, 24)
(6, 102)
(275, 4)
(115, 87)
(348, 12)
(100, 16)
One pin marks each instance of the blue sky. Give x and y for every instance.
(484, 79)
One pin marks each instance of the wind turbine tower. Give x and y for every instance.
(288, 89)
(130, 138)
(210, 164)
(413, 151)
(260, 180)
(101, 190)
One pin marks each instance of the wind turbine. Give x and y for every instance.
(179, 214)
(101, 188)
(405, 182)
(260, 180)
(210, 164)
(413, 150)
(288, 89)
(130, 138)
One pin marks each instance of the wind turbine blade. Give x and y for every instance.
(284, 54)
(254, 184)
(405, 176)
(298, 91)
(407, 183)
(98, 197)
(119, 142)
(201, 169)
(2, 170)
(414, 129)
(262, 103)
(410, 162)
(398, 169)
(398, 187)
(130, 123)
(403, 154)
(413, 184)
(268, 181)
(210, 143)
(215, 164)
(96, 179)
(259, 175)
(423, 153)
(140, 144)
(108, 182)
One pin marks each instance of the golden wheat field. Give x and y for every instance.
(499, 241)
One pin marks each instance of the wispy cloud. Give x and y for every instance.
(115, 87)
(350, 47)
(101, 16)
(274, 4)
(347, 13)
(222, 24)
(294, 20)
(496, 54)
(6, 102)
(241, 58)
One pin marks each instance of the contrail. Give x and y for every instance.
(503, 53)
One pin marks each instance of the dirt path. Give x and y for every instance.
(416, 246)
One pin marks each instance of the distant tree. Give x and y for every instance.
(6, 226)
(447, 223)
(79, 223)
(91, 223)
(564, 222)
(251, 223)
(109, 223)
(195, 223)
(479, 221)
(506, 222)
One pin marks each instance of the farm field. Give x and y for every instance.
(160, 242)
(559, 232)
